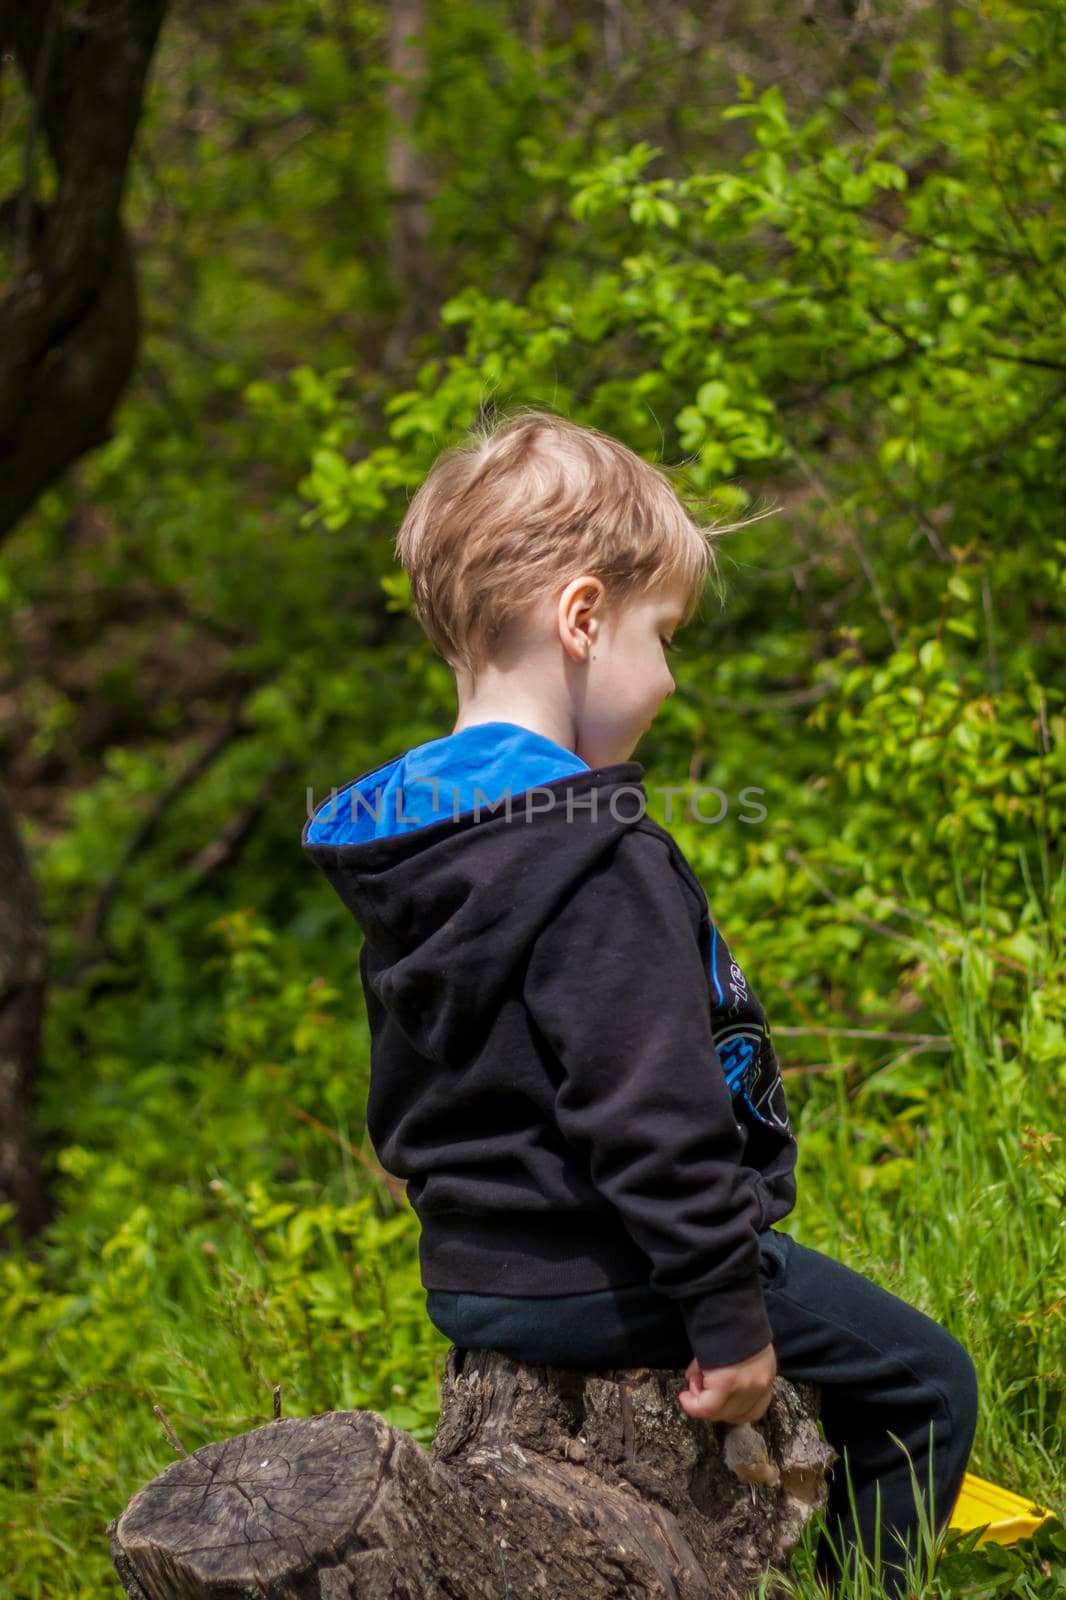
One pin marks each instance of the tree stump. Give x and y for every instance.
(541, 1481)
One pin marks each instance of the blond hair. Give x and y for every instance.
(524, 503)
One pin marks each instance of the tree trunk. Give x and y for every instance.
(23, 975)
(541, 1481)
(409, 182)
(68, 341)
(68, 312)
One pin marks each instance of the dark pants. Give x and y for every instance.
(883, 1367)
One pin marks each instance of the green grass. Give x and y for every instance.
(946, 1182)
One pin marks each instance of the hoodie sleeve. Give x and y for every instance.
(616, 984)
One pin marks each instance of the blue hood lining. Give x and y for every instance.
(443, 778)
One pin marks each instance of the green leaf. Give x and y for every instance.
(711, 397)
(931, 656)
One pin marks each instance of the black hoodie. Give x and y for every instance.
(568, 1067)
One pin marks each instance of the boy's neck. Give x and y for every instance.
(537, 719)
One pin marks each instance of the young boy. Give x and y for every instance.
(568, 1067)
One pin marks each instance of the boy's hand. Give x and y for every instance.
(730, 1394)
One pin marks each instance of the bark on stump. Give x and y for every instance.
(542, 1481)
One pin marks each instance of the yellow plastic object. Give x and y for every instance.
(1009, 1516)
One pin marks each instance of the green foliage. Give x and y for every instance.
(211, 1243)
(951, 1568)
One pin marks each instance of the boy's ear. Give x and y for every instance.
(579, 613)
